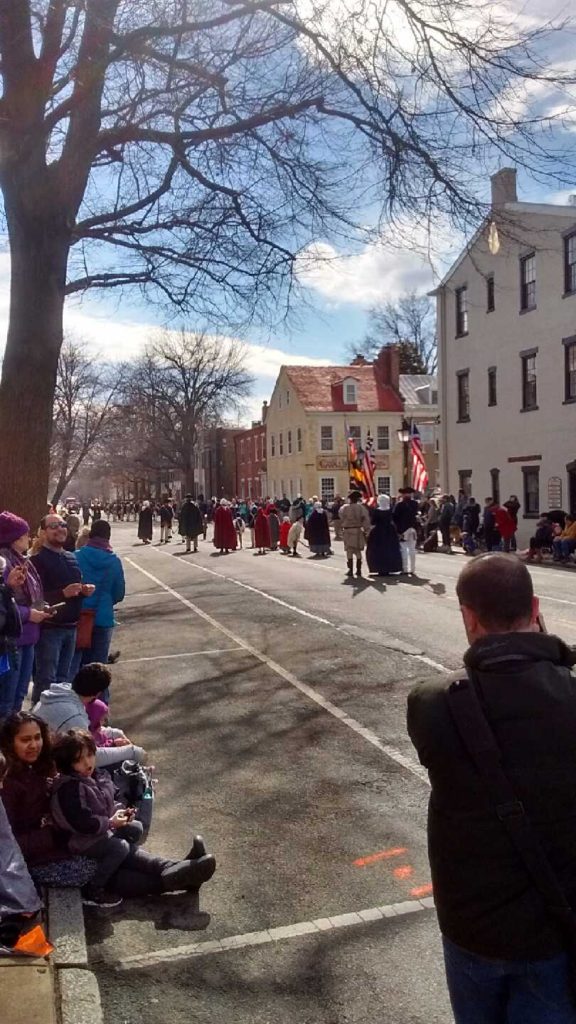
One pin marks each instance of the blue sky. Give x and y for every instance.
(339, 290)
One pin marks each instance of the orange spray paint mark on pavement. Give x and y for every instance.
(421, 890)
(373, 858)
(405, 871)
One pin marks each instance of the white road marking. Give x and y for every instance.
(189, 654)
(266, 936)
(300, 611)
(391, 752)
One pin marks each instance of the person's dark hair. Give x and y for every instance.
(92, 679)
(69, 746)
(354, 497)
(11, 727)
(498, 589)
(3, 767)
(100, 529)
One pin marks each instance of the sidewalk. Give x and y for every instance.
(59, 989)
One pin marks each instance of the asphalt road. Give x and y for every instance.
(270, 694)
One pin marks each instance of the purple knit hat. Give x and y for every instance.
(11, 528)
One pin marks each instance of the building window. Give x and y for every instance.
(242, 494)
(326, 439)
(299, 439)
(465, 481)
(282, 491)
(531, 491)
(280, 400)
(280, 443)
(570, 370)
(272, 445)
(461, 311)
(463, 379)
(529, 390)
(287, 398)
(355, 434)
(492, 392)
(383, 439)
(570, 264)
(490, 297)
(528, 282)
(289, 442)
(495, 480)
(327, 488)
(384, 485)
(350, 394)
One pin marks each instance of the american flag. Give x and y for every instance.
(419, 472)
(369, 469)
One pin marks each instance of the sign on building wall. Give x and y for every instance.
(331, 462)
(554, 492)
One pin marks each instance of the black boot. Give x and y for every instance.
(198, 849)
(188, 874)
(350, 564)
(358, 566)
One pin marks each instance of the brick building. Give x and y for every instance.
(250, 451)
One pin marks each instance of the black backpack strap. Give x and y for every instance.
(480, 743)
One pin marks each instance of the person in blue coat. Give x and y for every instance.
(100, 566)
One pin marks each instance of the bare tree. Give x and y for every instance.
(184, 383)
(192, 148)
(83, 409)
(409, 323)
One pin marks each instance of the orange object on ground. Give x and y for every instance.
(34, 943)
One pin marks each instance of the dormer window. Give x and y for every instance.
(350, 393)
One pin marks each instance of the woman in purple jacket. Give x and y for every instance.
(14, 543)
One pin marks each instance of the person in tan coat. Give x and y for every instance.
(355, 529)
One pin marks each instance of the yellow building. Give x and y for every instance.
(314, 409)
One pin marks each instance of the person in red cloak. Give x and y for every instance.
(262, 532)
(224, 532)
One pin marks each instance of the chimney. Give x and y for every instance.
(359, 360)
(504, 187)
(387, 367)
(264, 410)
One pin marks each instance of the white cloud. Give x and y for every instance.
(376, 274)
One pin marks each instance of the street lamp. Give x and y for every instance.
(404, 435)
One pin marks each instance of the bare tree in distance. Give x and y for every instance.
(409, 323)
(83, 410)
(192, 149)
(184, 383)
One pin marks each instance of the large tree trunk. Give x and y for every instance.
(39, 248)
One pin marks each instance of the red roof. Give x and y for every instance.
(319, 389)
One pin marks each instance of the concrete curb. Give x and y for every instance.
(76, 989)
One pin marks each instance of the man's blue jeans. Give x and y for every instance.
(54, 654)
(14, 686)
(484, 991)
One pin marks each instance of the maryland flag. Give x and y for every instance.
(356, 467)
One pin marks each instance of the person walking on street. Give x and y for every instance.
(224, 532)
(317, 532)
(190, 522)
(166, 517)
(383, 549)
(405, 516)
(445, 522)
(355, 528)
(145, 528)
(61, 579)
(274, 527)
(502, 727)
(14, 543)
(100, 566)
(261, 531)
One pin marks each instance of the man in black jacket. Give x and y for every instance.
(504, 956)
